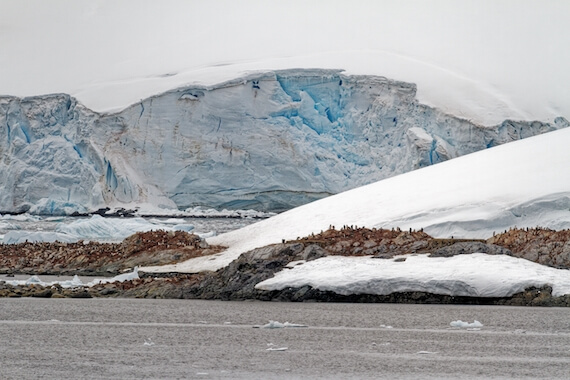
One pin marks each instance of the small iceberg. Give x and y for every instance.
(148, 342)
(272, 347)
(465, 325)
(279, 325)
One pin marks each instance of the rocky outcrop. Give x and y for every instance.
(540, 245)
(102, 259)
(468, 247)
(381, 243)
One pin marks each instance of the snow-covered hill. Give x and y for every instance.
(267, 141)
(523, 184)
(235, 132)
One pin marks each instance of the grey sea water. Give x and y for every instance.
(187, 339)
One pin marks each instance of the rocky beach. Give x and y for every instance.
(238, 280)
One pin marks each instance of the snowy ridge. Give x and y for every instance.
(267, 141)
(481, 192)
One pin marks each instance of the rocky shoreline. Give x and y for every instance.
(102, 259)
(237, 281)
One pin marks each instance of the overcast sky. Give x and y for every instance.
(515, 50)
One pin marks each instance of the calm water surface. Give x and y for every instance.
(181, 339)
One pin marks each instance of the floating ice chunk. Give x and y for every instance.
(463, 325)
(148, 342)
(184, 227)
(99, 228)
(16, 237)
(9, 226)
(273, 325)
(205, 235)
(75, 282)
(168, 221)
(34, 280)
(174, 221)
(55, 218)
(277, 348)
(279, 325)
(20, 217)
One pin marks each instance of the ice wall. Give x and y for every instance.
(267, 141)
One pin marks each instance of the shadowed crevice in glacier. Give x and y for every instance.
(267, 141)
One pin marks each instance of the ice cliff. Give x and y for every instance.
(267, 141)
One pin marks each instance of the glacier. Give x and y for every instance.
(267, 141)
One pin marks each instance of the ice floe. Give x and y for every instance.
(466, 325)
(76, 281)
(279, 325)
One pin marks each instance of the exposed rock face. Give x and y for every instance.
(236, 281)
(540, 245)
(268, 141)
(381, 243)
(530, 297)
(465, 248)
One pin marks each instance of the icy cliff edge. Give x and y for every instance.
(267, 141)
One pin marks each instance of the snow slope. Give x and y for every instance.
(485, 60)
(523, 183)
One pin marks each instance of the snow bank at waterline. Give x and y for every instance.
(474, 275)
